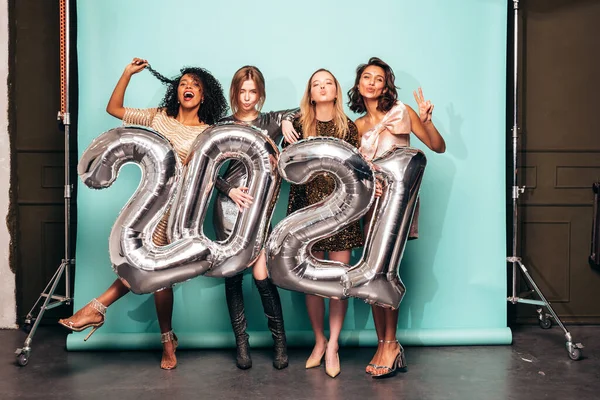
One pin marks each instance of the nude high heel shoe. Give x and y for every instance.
(97, 306)
(333, 371)
(314, 362)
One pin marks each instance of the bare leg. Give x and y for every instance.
(337, 313)
(391, 323)
(315, 306)
(379, 317)
(113, 293)
(259, 269)
(378, 312)
(163, 300)
(88, 314)
(391, 348)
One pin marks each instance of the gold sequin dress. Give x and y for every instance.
(322, 186)
(181, 137)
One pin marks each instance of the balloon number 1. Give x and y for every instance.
(146, 267)
(375, 277)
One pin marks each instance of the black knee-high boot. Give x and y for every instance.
(272, 306)
(235, 304)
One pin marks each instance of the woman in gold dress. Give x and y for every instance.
(194, 100)
(322, 114)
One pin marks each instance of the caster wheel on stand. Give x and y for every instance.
(545, 323)
(22, 359)
(575, 354)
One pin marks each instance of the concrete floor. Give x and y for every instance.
(536, 366)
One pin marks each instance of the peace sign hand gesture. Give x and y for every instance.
(425, 107)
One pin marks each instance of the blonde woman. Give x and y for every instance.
(322, 114)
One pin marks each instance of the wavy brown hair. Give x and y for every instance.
(248, 72)
(308, 120)
(387, 99)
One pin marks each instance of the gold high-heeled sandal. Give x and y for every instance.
(399, 363)
(96, 305)
(314, 362)
(168, 337)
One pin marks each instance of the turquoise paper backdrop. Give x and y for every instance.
(455, 273)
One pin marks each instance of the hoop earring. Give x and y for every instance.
(314, 103)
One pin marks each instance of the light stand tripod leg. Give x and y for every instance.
(574, 350)
(23, 353)
(31, 317)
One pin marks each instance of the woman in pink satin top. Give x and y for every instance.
(388, 122)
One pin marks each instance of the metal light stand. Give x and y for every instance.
(545, 322)
(48, 298)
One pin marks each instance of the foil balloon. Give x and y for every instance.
(257, 152)
(146, 267)
(375, 277)
(142, 265)
(290, 262)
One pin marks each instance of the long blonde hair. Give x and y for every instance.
(309, 117)
(248, 72)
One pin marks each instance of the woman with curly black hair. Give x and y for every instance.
(194, 100)
(387, 122)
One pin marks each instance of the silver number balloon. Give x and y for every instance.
(142, 265)
(290, 262)
(258, 153)
(375, 277)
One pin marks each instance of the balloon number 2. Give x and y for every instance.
(290, 262)
(139, 262)
(374, 278)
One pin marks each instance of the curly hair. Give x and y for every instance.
(387, 99)
(213, 108)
